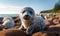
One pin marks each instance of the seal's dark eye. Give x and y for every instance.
(31, 12)
(23, 12)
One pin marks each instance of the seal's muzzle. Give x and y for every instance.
(26, 17)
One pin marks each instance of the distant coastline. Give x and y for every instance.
(11, 15)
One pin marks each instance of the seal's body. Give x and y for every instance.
(30, 22)
(8, 22)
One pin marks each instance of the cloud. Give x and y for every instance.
(9, 9)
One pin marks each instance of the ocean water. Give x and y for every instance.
(10, 15)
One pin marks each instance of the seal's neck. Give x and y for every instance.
(26, 24)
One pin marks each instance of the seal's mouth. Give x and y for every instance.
(26, 18)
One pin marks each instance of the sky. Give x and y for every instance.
(14, 6)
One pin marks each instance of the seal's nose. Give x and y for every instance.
(27, 15)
